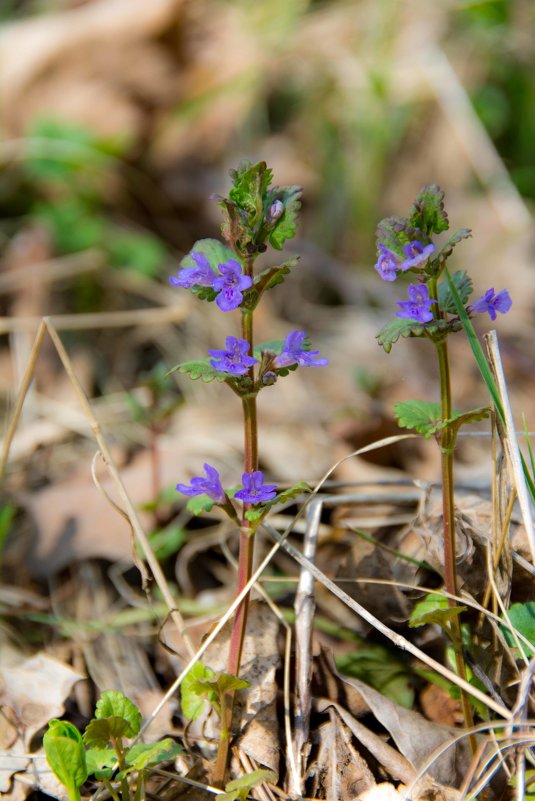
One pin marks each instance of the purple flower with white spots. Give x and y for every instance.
(234, 359)
(200, 275)
(418, 307)
(230, 285)
(293, 353)
(254, 490)
(388, 264)
(211, 486)
(416, 254)
(492, 303)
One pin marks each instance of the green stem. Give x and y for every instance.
(447, 446)
(118, 748)
(245, 559)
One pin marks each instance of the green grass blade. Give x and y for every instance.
(486, 372)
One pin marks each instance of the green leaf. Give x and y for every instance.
(101, 762)
(214, 250)
(426, 417)
(98, 733)
(239, 789)
(113, 703)
(464, 286)
(199, 368)
(447, 248)
(433, 608)
(267, 279)
(227, 683)
(141, 252)
(261, 510)
(436, 329)
(72, 223)
(382, 669)
(249, 187)
(192, 701)
(428, 211)
(199, 504)
(65, 754)
(145, 755)
(394, 232)
(522, 617)
(286, 225)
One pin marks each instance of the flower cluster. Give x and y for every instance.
(255, 215)
(229, 284)
(253, 490)
(389, 264)
(419, 307)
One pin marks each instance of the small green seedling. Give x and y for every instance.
(239, 789)
(102, 751)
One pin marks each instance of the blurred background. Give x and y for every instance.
(120, 118)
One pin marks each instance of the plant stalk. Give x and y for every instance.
(245, 560)
(447, 445)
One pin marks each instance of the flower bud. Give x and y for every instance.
(275, 211)
(269, 378)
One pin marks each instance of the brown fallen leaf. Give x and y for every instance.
(339, 772)
(418, 738)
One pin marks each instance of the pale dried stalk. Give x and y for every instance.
(119, 319)
(130, 510)
(511, 447)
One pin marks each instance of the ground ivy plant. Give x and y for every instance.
(256, 215)
(103, 751)
(408, 246)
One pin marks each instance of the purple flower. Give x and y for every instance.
(293, 353)
(230, 284)
(254, 490)
(275, 211)
(419, 306)
(211, 485)
(200, 275)
(388, 264)
(234, 359)
(416, 254)
(492, 303)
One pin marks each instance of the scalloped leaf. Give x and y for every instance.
(214, 250)
(199, 504)
(286, 225)
(146, 755)
(447, 248)
(101, 762)
(463, 284)
(114, 703)
(396, 328)
(426, 417)
(192, 702)
(434, 608)
(199, 368)
(400, 327)
(239, 789)
(260, 511)
(428, 213)
(522, 617)
(98, 733)
(421, 416)
(267, 279)
(250, 183)
(393, 233)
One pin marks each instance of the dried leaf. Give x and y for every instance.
(339, 772)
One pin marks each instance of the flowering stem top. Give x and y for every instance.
(256, 214)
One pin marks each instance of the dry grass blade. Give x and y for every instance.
(395, 638)
(118, 319)
(511, 443)
(130, 510)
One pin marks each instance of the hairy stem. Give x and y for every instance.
(245, 560)
(447, 445)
